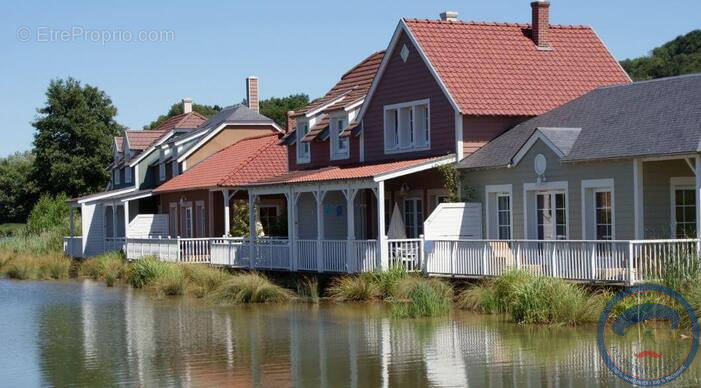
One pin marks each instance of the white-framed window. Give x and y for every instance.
(551, 215)
(162, 171)
(173, 220)
(187, 220)
(339, 145)
(683, 204)
(127, 174)
(504, 216)
(407, 126)
(413, 217)
(598, 209)
(302, 146)
(267, 215)
(499, 208)
(201, 218)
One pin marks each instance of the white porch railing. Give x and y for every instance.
(620, 261)
(73, 246)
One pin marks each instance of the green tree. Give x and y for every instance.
(72, 144)
(18, 190)
(276, 108)
(679, 56)
(177, 109)
(50, 212)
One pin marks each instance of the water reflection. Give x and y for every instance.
(85, 334)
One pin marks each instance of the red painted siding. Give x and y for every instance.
(320, 151)
(403, 82)
(478, 130)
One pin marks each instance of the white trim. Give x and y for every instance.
(678, 183)
(417, 168)
(209, 135)
(298, 139)
(361, 146)
(598, 185)
(402, 27)
(335, 138)
(314, 112)
(506, 189)
(398, 107)
(137, 196)
(458, 136)
(98, 197)
(561, 186)
(537, 135)
(152, 148)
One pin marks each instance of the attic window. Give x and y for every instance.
(404, 53)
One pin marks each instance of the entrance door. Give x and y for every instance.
(413, 217)
(551, 215)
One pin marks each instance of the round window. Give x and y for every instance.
(540, 164)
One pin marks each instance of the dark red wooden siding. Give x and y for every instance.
(478, 130)
(320, 151)
(403, 82)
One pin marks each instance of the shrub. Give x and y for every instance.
(426, 299)
(109, 267)
(506, 285)
(170, 281)
(554, 301)
(249, 288)
(204, 279)
(308, 289)
(354, 288)
(48, 213)
(388, 280)
(480, 297)
(23, 268)
(54, 266)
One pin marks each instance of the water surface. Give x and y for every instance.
(83, 334)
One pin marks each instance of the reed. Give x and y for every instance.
(249, 288)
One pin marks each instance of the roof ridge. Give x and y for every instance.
(493, 23)
(647, 81)
(248, 160)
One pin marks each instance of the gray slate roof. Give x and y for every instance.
(233, 114)
(562, 138)
(648, 118)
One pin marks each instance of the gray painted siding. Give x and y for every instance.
(621, 172)
(657, 195)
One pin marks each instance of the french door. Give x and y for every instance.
(413, 217)
(551, 215)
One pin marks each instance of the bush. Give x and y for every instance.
(48, 213)
(354, 288)
(170, 281)
(426, 298)
(204, 279)
(143, 272)
(480, 297)
(387, 281)
(554, 301)
(249, 288)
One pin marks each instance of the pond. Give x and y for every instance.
(81, 333)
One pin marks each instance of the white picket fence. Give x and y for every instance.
(619, 261)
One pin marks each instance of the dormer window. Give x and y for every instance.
(339, 145)
(127, 174)
(117, 176)
(162, 171)
(302, 146)
(407, 126)
(175, 168)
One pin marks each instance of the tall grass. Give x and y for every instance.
(354, 288)
(308, 289)
(203, 279)
(420, 297)
(24, 267)
(108, 267)
(249, 288)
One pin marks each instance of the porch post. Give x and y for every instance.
(319, 194)
(697, 171)
(251, 226)
(114, 225)
(289, 195)
(638, 198)
(126, 218)
(227, 212)
(382, 257)
(71, 229)
(350, 215)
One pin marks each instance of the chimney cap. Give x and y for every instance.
(449, 16)
(187, 105)
(187, 99)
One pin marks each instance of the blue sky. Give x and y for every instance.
(292, 46)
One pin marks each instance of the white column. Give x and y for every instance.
(319, 194)
(638, 198)
(71, 229)
(227, 212)
(126, 218)
(252, 227)
(350, 215)
(382, 256)
(114, 225)
(697, 171)
(290, 196)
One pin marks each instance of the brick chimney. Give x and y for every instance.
(252, 93)
(540, 22)
(290, 120)
(449, 16)
(187, 105)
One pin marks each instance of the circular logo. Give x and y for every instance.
(24, 34)
(648, 335)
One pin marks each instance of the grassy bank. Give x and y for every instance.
(411, 296)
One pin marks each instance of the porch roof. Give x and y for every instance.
(377, 171)
(103, 195)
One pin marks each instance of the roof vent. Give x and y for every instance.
(449, 16)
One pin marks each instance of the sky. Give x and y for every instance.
(149, 55)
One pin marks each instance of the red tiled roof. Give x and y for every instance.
(356, 80)
(496, 68)
(321, 124)
(245, 161)
(140, 140)
(184, 120)
(342, 172)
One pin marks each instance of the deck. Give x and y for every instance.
(593, 261)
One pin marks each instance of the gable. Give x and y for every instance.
(224, 138)
(403, 81)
